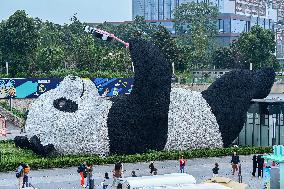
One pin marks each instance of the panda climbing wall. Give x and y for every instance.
(74, 119)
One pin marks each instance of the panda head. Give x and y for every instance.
(69, 118)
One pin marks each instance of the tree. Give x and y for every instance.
(223, 58)
(196, 24)
(157, 34)
(256, 47)
(18, 41)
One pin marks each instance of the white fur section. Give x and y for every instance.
(82, 132)
(191, 122)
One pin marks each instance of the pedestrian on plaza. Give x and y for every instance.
(20, 175)
(260, 164)
(26, 177)
(235, 162)
(254, 164)
(182, 162)
(119, 186)
(152, 168)
(133, 174)
(117, 172)
(83, 173)
(89, 171)
(215, 170)
(106, 181)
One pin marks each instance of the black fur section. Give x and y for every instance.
(34, 144)
(22, 142)
(38, 148)
(229, 98)
(139, 122)
(65, 105)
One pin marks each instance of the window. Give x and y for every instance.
(221, 72)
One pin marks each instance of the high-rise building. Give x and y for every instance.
(236, 16)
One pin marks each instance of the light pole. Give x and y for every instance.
(7, 68)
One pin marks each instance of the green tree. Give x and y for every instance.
(196, 24)
(18, 41)
(256, 47)
(50, 53)
(223, 58)
(157, 34)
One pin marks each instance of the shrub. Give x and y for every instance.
(10, 156)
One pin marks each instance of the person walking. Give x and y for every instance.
(82, 171)
(20, 175)
(215, 170)
(152, 168)
(26, 169)
(234, 162)
(117, 172)
(106, 181)
(254, 165)
(260, 165)
(89, 171)
(182, 162)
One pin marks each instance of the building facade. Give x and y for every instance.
(236, 16)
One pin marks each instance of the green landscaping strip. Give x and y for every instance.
(11, 156)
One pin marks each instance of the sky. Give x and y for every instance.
(60, 11)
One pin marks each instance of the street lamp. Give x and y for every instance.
(7, 68)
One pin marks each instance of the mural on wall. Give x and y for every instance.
(153, 116)
(33, 88)
(113, 86)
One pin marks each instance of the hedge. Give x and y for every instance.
(11, 156)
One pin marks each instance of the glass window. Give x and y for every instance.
(227, 25)
(238, 26)
(253, 21)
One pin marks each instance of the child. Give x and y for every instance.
(215, 170)
(106, 181)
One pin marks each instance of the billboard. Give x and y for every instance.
(33, 88)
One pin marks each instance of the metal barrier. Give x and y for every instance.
(3, 126)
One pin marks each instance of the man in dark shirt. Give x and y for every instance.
(234, 162)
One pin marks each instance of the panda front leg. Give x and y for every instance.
(34, 144)
(139, 122)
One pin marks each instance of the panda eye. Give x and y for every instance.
(65, 105)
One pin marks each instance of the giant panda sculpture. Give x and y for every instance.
(74, 119)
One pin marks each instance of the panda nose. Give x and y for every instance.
(65, 105)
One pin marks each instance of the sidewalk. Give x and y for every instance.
(12, 132)
(68, 178)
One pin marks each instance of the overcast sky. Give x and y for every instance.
(60, 11)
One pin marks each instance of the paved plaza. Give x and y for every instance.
(69, 179)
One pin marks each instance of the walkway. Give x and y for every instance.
(69, 179)
(12, 132)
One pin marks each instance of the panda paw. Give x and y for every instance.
(34, 144)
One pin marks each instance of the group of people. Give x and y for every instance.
(22, 175)
(258, 163)
(85, 171)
